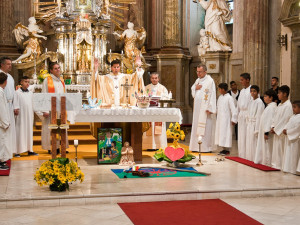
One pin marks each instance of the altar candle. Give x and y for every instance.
(46, 50)
(122, 52)
(109, 50)
(75, 142)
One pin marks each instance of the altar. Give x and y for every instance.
(135, 116)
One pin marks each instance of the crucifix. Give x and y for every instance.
(127, 86)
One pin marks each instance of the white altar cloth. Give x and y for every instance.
(134, 114)
(70, 87)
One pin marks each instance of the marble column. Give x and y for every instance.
(255, 39)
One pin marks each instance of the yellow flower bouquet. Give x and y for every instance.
(57, 173)
(174, 153)
(43, 74)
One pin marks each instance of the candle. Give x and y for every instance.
(122, 52)
(46, 50)
(75, 142)
(109, 50)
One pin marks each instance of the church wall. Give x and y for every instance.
(274, 48)
(285, 61)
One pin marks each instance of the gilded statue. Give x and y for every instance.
(133, 39)
(33, 46)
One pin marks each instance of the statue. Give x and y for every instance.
(132, 39)
(217, 13)
(32, 44)
(203, 43)
(127, 158)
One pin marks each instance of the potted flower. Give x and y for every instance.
(174, 153)
(57, 173)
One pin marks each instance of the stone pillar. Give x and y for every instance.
(256, 41)
(172, 60)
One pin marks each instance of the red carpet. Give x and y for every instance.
(6, 172)
(252, 164)
(210, 211)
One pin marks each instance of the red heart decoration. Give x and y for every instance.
(174, 154)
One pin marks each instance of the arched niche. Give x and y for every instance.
(289, 17)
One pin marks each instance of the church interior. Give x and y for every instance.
(128, 73)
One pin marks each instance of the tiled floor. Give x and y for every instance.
(271, 211)
(270, 197)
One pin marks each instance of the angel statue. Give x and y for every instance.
(133, 39)
(32, 44)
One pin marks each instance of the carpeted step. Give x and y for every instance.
(83, 139)
(70, 132)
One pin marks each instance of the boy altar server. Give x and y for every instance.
(292, 142)
(255, 111)
(283, 113)
(264, 146)
(242, 106)
(156, 136)
(5, 153)
(226, 117)
(24, 121)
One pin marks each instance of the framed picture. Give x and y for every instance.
(109, 145)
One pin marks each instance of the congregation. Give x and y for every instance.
(267, 127)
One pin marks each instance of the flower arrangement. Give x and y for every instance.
(57, 173)
(174, 153)
(43, 74)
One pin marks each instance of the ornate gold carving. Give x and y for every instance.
(172, 27)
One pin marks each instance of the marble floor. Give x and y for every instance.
(270, 197)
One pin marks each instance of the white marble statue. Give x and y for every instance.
(217, 13)
(32, 44)
(203, 43)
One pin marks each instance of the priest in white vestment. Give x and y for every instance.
(242, 107)
(255, 111)
(291, 155)
(5, 153)
(5, 67)
(264, 147)
(24, 121)
(204, 94)
(156, 136)
(109, 87)
(283, 114)
(226, 118)
(52, 84)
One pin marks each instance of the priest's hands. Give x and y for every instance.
(233, 123)
(45, 114)
(266, 137)
(16, 112)
(272, 130)
(198, 87)
(208, 112)
(284, 132)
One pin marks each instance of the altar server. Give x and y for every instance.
(5, 67)
(204, 94)
(24, 121)
(264, 146)
(255, 110)
(291, 153)
(283, 113)
(242, 107)
(5, 153)
(226, 118)
(156, 136)
(52, 84)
